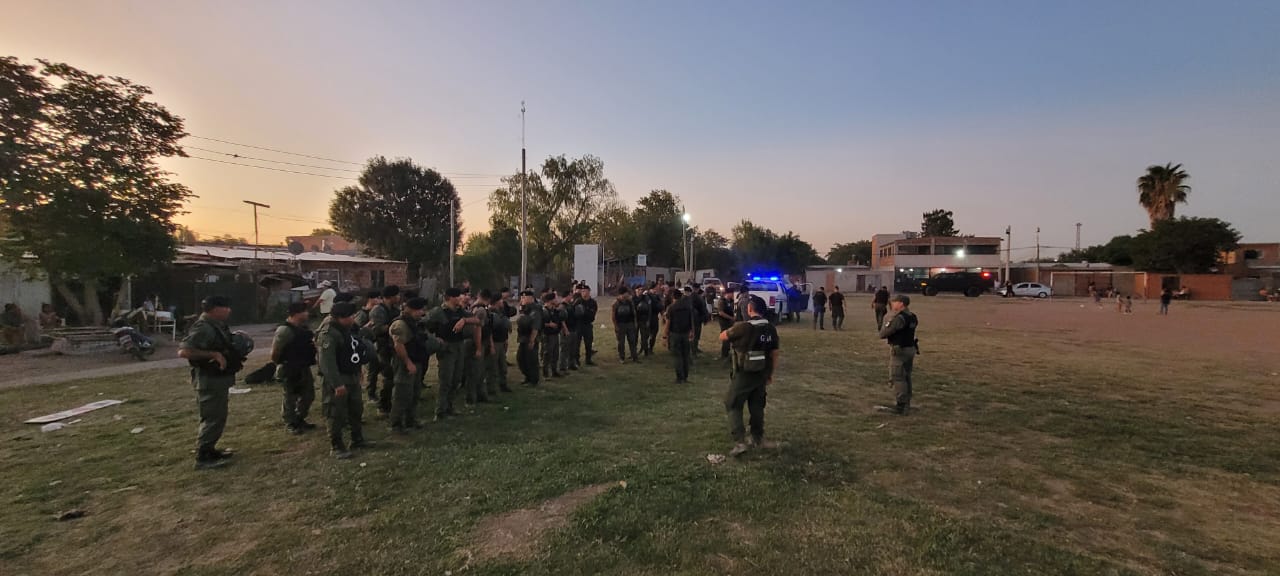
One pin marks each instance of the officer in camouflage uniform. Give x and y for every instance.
(624, 325)
(214, 363)
(552, 329)
(724, 311)
(413, 349)
(755, 355)
(500, 314)
(586, 329)
(380, 319)
(449, 323)
(527, 331)
(572, 324)
(478, 389)
(364, 325)
(899, 331)
(341, 352)
(293, 350)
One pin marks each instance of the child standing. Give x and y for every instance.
(1128, 304)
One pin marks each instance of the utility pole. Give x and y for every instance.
(1078, 225)
(1037, 254)
(524, 212)
(1008, 252)
(453, 216)
(255, 205)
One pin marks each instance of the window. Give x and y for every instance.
(982, 249)
(378, 278)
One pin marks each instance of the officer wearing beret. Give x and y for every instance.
(899, 331)
(413, 348)
(341, 355)
(293, 349)
(214, 363)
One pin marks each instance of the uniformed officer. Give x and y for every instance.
(527, 330)
(572, 324)
(724, 312)
(413, 349)
(478, 389)
(900, 332)
(646, 317)
(380, 319)
(586, 329)
(552, 328)
(755, 355)
(500, 314)
(449, 323)
(293, 349)
(702, 315)
(880, 303)
(678, 333)
(820, 309)
(214, 363)
(365, 326)
(836, 301)
(624, 324)
(341, 354)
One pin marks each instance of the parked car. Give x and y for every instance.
(1032, 290)
(971, 284)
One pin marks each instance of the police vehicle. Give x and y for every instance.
(776, 293)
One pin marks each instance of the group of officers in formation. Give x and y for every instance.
(380, 350)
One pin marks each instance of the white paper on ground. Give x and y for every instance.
(90, 407)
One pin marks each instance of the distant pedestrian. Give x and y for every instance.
(836, 301)
(1166, 296)
(325, 302)
(880, 303)
(820, 309)
(1119, 303)
(1128, 304)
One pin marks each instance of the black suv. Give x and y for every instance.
(971, 284)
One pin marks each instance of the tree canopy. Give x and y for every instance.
(850, 253)
(938, 223)
(79, 179)
(760, 248)
(398, 210)
(1161, 189)
(1184, 245)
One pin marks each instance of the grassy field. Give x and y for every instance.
(1049, 439)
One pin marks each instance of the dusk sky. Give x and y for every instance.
(834, 120)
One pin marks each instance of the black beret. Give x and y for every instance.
(452, 292)
(390, 291)
(416, 303)
(344, 297)
(343, 310)
(211, 302)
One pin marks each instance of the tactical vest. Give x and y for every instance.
(625, 312)
(445, 331)
(590, 308)
(383, 337)
(551, 315)
(756, 357)
(417, 346)
(906, 337)
(349, 351)
(501, 324)
(301, 349)
(644, 306)
(222, 345)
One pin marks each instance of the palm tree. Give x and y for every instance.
(1160, 189)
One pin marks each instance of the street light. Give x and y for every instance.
(960, 253)
(684, 237)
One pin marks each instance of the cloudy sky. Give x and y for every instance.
(836, 120)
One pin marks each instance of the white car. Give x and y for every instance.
(773, 292)
(1032, 289)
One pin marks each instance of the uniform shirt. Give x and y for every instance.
(441, 321)
(553, 314)
(326, 300)
(624, 312)
(208, 335)
(334, 340)
(571, 318)
(837, 301)
(739, 336)
(893, 325)
(592, 308)
(820, 300)
(681, 316)
(381, 317)
(882, 298)
(527, 326)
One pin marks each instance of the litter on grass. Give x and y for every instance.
(63, 415)
(235, 390)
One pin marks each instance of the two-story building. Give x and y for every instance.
(911, 257)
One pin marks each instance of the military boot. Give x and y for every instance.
(207, 459)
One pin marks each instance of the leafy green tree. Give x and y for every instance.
(1184, 245)
(755, 246)
(794, 254)
(1116, 252)
(563, 205)
(185, 235)
(659, 224)
(711, 250)
(322, 232)
(490, 259)
(1161, 189)
(939, 223)
(616, 232)
(851, 252)
(398, 210)
(80, 185)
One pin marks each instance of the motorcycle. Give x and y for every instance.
(133, 342)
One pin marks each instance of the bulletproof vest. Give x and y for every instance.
(417, 347)
(756, 357)
(552, 315)
(590, 308)
(580, 309)
(445, 330)
(223, 345)
(527, 323)
(501, 324)
(383, 337)
(905, 337)
(626, 312)
(481, 312)
(643, 306)
(681, 315)
(301, 350)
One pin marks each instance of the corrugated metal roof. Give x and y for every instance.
(241, 253)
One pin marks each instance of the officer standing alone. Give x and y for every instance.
(756, 350)
(900, 332)
(293, 349)
(214, 362)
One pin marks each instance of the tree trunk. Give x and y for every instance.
(72, 300)
(91, 304)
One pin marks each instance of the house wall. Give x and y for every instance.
(359, 275)
(26, 293)
(1202, 286)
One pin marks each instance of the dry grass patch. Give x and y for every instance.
(516, 535)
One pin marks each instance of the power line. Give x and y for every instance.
(234, 155)
(348, 178)
(275, 150)
(314, 157)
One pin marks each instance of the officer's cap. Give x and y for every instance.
(344, 297)
(343, 310)
(528, 293)
(373, 295)
(452, 292)
(211, 302)
(391, 291)
(416, 303)
(903, 298)
(688, 289)
(757, 303)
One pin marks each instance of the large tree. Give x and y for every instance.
(398, 210)
(711, 250)
(938, 223)
(616, 232)
(755, 246)
(1184, 245)
(1117, 252)
(1161, 189)
(563, 204)
(850, 253)
(79, 180)
(490, 258)
(658, 219)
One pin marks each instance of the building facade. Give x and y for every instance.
(911, 257)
